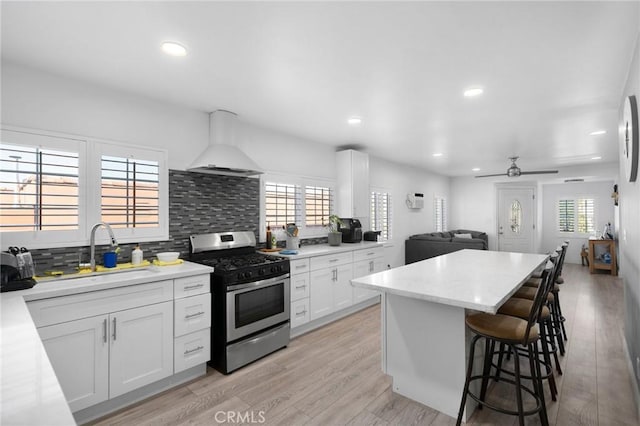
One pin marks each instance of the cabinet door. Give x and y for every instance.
(299, 286)
(342, 289)
(321, 292)
(362, 268)
(299, 312)
(141, 347)
(79, 353)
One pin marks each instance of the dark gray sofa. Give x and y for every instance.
(424, 246)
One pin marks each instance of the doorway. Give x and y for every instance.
(516, 219)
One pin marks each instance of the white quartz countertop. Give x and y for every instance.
(30, 392)
(473, 279)
(322, 249)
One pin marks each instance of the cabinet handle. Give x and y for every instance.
(114, 329)
(104, 331)
(197, 314)
(371, 266)
(301, 266)
(301, 314)
(199, 348)
(371, 253)
(301, 286)
(191, 287)
(333, 260)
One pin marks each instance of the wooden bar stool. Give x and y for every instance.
(513, 332)
(521, 308)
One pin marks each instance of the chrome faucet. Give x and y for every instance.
(114, 243)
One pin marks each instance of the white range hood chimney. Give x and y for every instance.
(222, 157)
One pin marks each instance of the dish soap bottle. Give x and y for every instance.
(269, 237)
(136, 255)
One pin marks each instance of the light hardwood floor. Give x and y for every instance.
(332, 376)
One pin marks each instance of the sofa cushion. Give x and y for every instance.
(429, 237)
(468, 236)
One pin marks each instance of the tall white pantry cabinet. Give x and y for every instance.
(353, 192)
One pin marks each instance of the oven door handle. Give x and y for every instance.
(261, 283)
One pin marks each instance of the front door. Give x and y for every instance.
(516, 207)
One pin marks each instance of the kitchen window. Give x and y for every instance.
(307, 202)
(576, 215)
(381, 213)
(440, 213)
(54, 187)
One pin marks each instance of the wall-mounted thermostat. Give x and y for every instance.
(415, 200)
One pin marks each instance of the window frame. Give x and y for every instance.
(576, 199)
(301, 182)
(117, 149)
(89, 188)
(444, 212)
(389, 219)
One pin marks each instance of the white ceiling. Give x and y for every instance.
(552, 71)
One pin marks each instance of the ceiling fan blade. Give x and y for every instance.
(538, 172)
(499, 174)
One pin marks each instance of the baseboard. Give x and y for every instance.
(634, 381)
(312, 325)
(107, 407)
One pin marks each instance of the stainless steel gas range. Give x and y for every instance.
(250, 298)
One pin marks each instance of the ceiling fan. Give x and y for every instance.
(514, 170)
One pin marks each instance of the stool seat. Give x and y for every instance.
(502, 327)
(521, 308)
(530, 293)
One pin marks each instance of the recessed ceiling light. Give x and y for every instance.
(174, 49)
(354, 121)
(596, 158)
(474, 91)
(438, 154)
(598, 132)
(475, 169)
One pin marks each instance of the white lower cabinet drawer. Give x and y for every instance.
(299, 286)
(299, 312)
(192, 314)
(190, 286)
(192, 349)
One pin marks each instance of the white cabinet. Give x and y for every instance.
(102, 357)
(353, 193)
(300, 291)
(300, 312)
(105, 343)
(79, 353)
(192, 323)
(330, 284)
(141, 347)
(366, 262)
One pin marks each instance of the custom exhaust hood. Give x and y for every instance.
(222, 157)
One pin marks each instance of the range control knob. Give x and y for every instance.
(261, 271)
(248, 274)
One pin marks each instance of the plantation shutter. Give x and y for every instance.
(440, 213)
(39, 188)
(318, 202)
(283, 204)
(566, 215)
(586, 215)
(381, 214)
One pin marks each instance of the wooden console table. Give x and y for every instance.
(596, 249)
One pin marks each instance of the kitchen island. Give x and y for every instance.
(424, 338)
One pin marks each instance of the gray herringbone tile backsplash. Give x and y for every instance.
(198, 203)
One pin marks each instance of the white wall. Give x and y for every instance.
(629, 233)
(40, 100)
(604, 212)
(473, 200)
(400, 179)
(43, 101)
